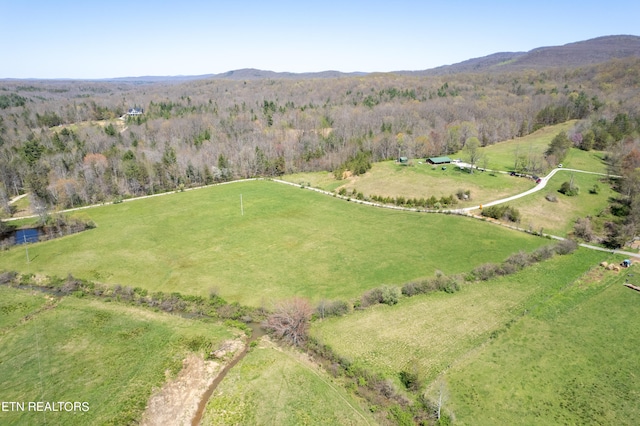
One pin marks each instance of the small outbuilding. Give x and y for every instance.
(403, 160)
(439, 160)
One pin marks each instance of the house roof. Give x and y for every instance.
(439, 160)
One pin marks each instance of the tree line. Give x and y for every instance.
(71, 143)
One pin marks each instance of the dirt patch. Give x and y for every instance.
(177, 402)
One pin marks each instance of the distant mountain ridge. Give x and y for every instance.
(578, 54)
(581, 53)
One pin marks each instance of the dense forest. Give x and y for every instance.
(70, 143)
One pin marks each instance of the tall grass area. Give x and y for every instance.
(573, 360)
(278, 386)
(433, 332)
(108, 355)
(289, 241)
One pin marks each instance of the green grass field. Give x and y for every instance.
(572, 361)
(389, 179)
(501, 156)
(558, 218)
(433, 332)
(289, 241)
(278, 386)
(108, 355)
(552, 344)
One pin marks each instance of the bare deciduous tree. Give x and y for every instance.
(290, 320)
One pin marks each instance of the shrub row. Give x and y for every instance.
(502, 211)
(520, 260)
(212, 307)
(429, 203)
(440, 282)
(385, 294)
(401, 201)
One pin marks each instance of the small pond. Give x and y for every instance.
(31, 235)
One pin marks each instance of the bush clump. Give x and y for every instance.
(502, 212)
(542, 253)
(335, 308)
(568, 189)
(440, 282)
(583, 229)
(566, 247)
(385, 294)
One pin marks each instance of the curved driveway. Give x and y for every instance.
(538, 187)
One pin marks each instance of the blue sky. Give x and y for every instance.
(103, 39)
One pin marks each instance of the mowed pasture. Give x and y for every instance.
(573, 360)
(280, 386)
(390, 179)
(430, 333)
(502, 155)
(282, 241)
(107, 355)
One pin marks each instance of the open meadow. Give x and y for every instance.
(280, 386)
(558, 217)
(502, 155)
(434, 334)
(390, 179)
(107, 355)
(432, 331)
(282, 241)
(571, 360)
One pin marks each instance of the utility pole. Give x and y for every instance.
(26, 247)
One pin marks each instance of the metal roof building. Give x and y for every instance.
(439, 160)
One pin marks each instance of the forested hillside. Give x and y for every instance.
(70, 143)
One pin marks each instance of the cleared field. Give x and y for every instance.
(558, 218)
(389, 179)
(278, 386)
(288, 242)
(571, 362)
(433, 332)
(501, 156)
(107, 355)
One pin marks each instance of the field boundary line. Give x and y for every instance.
(326, 383)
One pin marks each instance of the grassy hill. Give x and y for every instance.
(502, 155)
(288, 242)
